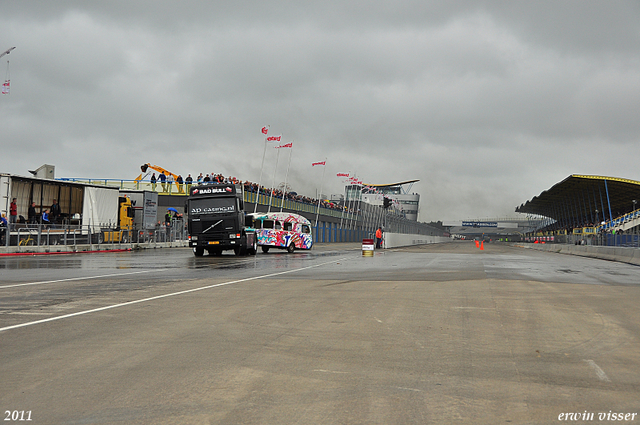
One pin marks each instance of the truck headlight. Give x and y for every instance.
(232, 236)
(193, 238)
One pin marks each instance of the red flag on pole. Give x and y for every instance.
(274, 138)
(265, 129)
(319, 163)
(287, 145)
(342, 175)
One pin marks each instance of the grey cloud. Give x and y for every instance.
(487, 103)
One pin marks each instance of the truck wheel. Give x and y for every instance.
(265, 249)
(291, 248)
(198, 251)
(254, 248)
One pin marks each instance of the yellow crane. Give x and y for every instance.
(145, 167)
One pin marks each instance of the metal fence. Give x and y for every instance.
(26, 236)
(620, 239)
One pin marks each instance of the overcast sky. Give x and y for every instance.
(486, 103)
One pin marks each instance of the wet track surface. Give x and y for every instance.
(30, 284)
(431, 334)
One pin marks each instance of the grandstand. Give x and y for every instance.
(587, 209)
(406, 203)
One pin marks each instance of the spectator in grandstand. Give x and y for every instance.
(153, 182)
(163, 180)
(32, 215)
(45, 217)
(3, 228)
(55, 212)
(13, 212)
(189, 181)
(170, 180)
(179, 182)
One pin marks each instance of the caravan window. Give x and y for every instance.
(267, 224)
(288, 226)
(305, 229)
(278, 225)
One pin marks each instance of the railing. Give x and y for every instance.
(251, 197)
(619, 221)
(355, 221)
(28, 236)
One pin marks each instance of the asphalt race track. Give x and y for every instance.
(434, 334)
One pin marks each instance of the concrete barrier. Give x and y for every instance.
(623, 255)
(395, 240)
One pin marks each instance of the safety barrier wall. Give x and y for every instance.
(395, 240)
(624, 255)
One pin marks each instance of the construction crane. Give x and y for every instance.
(145, 167)
(6, 52)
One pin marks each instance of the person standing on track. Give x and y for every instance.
(379, 238)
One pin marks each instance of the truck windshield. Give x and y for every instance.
(210, 206)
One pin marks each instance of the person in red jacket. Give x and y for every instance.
(379, 238)
(13, 212)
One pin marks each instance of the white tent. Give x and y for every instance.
(100, 207)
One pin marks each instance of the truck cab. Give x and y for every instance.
(216, 220)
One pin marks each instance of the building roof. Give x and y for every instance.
(393, 184)
(579, 198)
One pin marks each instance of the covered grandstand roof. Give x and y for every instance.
(580, 199)
(393, 184)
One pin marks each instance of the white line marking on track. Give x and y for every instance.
(408, 389)
(328, 371)
(80, 278)
(187, 291)
(601, 375)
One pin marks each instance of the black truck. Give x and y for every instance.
(217, 221)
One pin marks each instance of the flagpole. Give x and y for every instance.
(286, 177)
(255, 207)
(350, 213)
(343, 207)
(353, 202)
(320, 194)
(274, 180)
